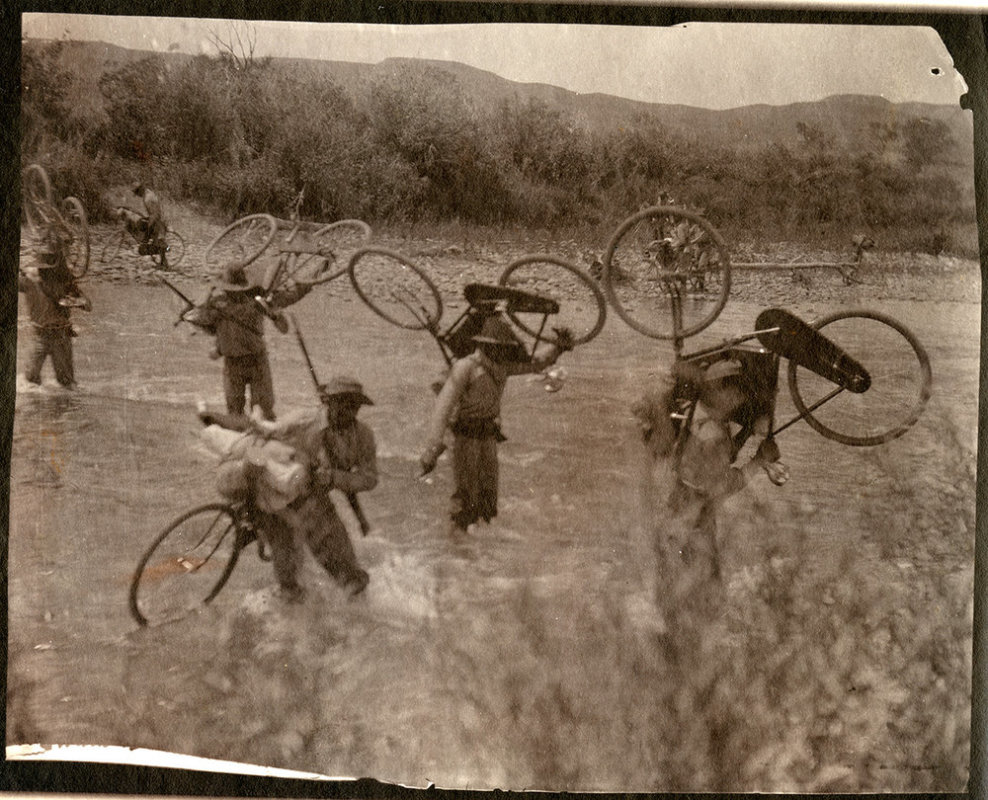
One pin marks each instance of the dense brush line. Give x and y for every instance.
(416, 148)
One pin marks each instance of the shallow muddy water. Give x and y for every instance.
(419, 680)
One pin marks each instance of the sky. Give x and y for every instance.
(711, 65)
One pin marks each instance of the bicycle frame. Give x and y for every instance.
(295, 244)
(511, 300)
(699, 355)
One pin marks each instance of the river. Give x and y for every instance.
(505, 660)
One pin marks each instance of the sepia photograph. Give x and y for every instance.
(528, 405)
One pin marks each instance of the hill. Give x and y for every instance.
(844, 118)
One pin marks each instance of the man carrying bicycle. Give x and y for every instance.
(234, 312)
(701, 444)
(51, 292)
(341, 454)
(469, 402)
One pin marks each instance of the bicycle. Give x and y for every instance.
(67, 220)
(306, 252)
(529, 289)
(309, 256)
(649, 246)
(831, 387)
(190, 561)
(166, 251)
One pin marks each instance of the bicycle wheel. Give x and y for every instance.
(395, 289)
(661, 251)
(241, 241)
(173, 252)
(345, 234)
(77, 229)
(901, 381)
(37, 197)
(186, 565)
(582, 306)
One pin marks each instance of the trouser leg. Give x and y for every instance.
(327, 538)
(285, 556)
(262, 387)
(462, 510)
(475, 472)
(60, 347)
(234, 386)
(39, 352)
(488, 484)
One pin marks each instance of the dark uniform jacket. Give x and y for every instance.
(43, 293)
(237, 319)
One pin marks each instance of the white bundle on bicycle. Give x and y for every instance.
(251, 465)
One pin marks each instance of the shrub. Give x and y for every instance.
(252, 135)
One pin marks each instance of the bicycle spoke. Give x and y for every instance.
(241, 242)
(392, 286)
(582, 306)
(75, 230)
(187, 565)
(37, 196)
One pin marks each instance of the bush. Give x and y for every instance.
(251, 136)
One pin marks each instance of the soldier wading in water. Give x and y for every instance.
(469, 403)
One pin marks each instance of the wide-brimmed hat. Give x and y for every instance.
(234, 278)
(344, 385)
(719, 370)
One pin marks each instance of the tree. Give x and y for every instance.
(135, 101)
(236, 45)
(925, 141)
(208, 124)
(423, 118)
(44, 95)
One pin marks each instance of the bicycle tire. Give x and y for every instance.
(659, 246)
(168, 583)
(36, 195)
(74, 219)
(900, 390)
(362, 231)
(582, 305)
(395, 289)
(241, 241)
(174, 250)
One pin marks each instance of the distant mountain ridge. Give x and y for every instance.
(846, 118)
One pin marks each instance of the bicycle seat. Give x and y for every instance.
(514, 301)
(786, 334)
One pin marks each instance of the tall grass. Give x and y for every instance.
(799, 681)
